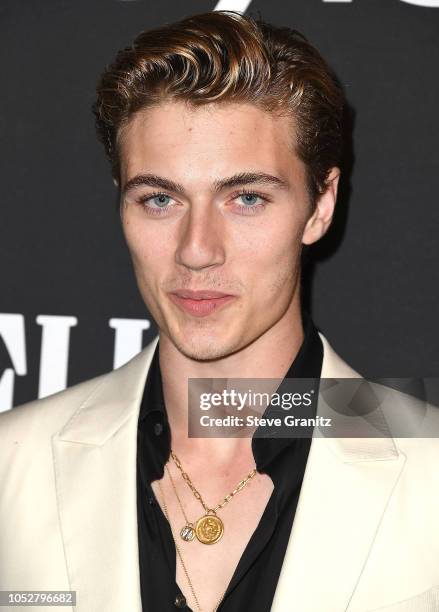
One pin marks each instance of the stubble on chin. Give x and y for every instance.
(203, 347)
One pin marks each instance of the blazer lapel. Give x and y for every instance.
(346, 487)
(95, 472)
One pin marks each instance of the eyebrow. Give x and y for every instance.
(241, 178)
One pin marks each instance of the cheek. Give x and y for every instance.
(276, 262)
(148, 252)
(285, 269)
(278, 244)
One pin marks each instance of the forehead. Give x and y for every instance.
(212, 139)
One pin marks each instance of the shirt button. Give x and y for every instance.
(158, 428)
(180, 601)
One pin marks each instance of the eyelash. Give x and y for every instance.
(160, 211)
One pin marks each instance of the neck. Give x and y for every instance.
(269, 356)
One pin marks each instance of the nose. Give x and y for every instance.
(200, 242)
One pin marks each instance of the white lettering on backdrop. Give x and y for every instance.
(13, 333)
(128, 338)
(54, 353)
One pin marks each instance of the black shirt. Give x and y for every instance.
(254, 581)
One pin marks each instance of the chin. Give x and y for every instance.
(203, 347)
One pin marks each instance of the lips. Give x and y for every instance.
(200, 303)
(199, 295)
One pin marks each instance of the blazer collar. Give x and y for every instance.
(356, 448)
(114, 400)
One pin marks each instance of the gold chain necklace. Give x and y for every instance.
(209, 528)
(180, 556)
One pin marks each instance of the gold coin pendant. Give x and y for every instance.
(209, 529)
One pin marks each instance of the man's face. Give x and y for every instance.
(219, 226)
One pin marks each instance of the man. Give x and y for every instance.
(224, 136)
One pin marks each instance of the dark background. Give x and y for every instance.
(374, 279)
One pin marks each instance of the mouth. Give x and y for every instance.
(200, 303)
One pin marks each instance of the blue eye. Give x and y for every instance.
(156, 203)
(249, 198)
(161, 200)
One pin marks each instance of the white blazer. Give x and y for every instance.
(365, 536)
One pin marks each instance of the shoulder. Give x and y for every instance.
(411, 420)
(47, 414)
(26, 433)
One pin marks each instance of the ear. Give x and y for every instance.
(318, 224)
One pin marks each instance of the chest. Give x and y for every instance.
(205, 570)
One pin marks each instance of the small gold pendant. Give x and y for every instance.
(187, 533)
(209, 529)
